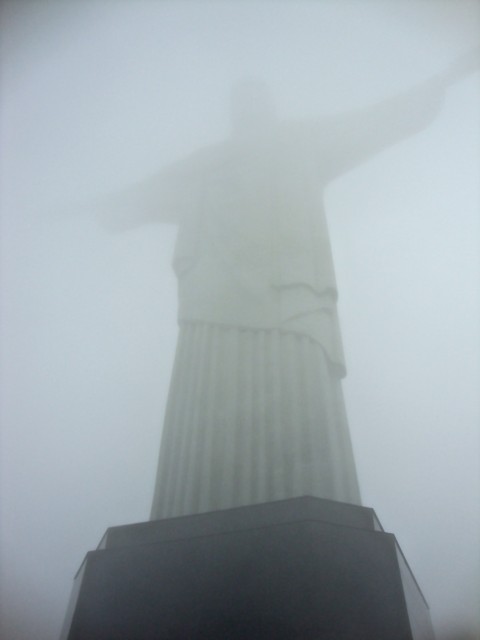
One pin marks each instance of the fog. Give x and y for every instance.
(97, 95)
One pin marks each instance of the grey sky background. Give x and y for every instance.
(96, 95)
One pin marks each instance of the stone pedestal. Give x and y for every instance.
(300, 569)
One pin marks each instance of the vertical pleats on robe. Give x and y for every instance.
(252, 416)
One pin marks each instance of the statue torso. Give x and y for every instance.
(253, 248)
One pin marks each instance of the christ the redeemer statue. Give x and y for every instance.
(255, 410)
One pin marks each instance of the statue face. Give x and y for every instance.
(252, 109)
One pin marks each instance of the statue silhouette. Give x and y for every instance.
(255, 409)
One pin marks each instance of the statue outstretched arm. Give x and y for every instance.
(345, 141)
(155, 199)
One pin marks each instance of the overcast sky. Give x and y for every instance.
(95, 95)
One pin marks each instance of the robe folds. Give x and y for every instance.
(252, 416)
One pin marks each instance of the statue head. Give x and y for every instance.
(251, 107)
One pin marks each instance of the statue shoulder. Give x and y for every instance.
(198, 162)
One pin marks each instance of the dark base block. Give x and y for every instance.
(299, 569)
